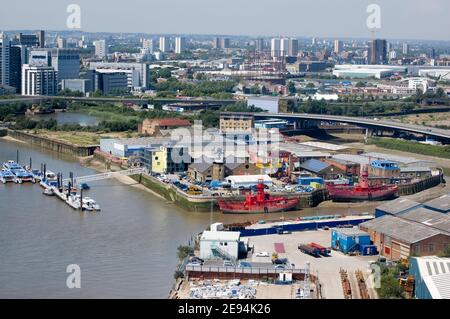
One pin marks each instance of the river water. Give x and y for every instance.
(128, 250)
(69, 118)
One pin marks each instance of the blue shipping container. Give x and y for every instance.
(349, 239)
(306, 181)
(368, 250)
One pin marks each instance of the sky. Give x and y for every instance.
(400, 19)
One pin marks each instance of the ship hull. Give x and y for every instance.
(348, 195)
(241, 208)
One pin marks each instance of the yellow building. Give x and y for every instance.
(159, 161)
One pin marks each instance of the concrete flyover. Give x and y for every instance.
(442, 135)
(38, 99)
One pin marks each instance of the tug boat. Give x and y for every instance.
(260, 203)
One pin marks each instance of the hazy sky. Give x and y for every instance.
(418, 19)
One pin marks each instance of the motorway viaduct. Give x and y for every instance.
(442, 135)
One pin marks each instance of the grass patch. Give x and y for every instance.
(412, 147)
(79, 138)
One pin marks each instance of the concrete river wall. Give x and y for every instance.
(53, 145)
(206, 204)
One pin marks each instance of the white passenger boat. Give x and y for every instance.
(6, 176)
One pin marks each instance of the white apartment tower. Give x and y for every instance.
(101, 49)
(275, 44)
(338, 46)
(147, 44)
(39, 80)
(180, 44)
(284, 47)
(5, 46)
(164, 44)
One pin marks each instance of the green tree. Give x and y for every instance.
(291, 88)
(184, 251)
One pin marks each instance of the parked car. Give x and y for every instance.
(227, 263)
(280, 267)
(262, 254)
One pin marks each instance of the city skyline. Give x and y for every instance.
(400, 20)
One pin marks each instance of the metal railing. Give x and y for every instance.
(107, 175)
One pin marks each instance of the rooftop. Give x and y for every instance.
(325, 146)
(314, 165)
(397, 206)
(350, 231)
(220, 235)
(394, 158)
(401, 229)
(435, 272)
(359, 159)
(428, 217)
(441, 203)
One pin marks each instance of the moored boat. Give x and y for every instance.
(362, 191)
(20, 174)
(6, 176)
(260, 203)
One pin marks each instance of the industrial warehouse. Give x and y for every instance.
(328, 255)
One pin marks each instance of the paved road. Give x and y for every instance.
(362, 122)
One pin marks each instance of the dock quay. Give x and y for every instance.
(304, 224)
(53, 145)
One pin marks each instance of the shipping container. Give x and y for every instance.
(306, 181)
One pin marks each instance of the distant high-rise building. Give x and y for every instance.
(293, 47)
(61, 43)
(39, 80)
(338, 46)
(15, 68)
(314, 41)
(377, 53)
(431, 53)
(259, 45)
(164, 44)
(101, 49)
(66, 62)
(392, 55)
(225, 43)
(30, 40)
(39, 57)
(147, 44)
(275, 47)
(284, 47)
(180, 45)
(405, 50)
(41, 38)
(216, 43)
(5, 48)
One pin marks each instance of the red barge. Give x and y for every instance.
(258, 204)
(362, 191)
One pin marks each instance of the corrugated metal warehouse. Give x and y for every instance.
(431, 277)
(418, 233)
